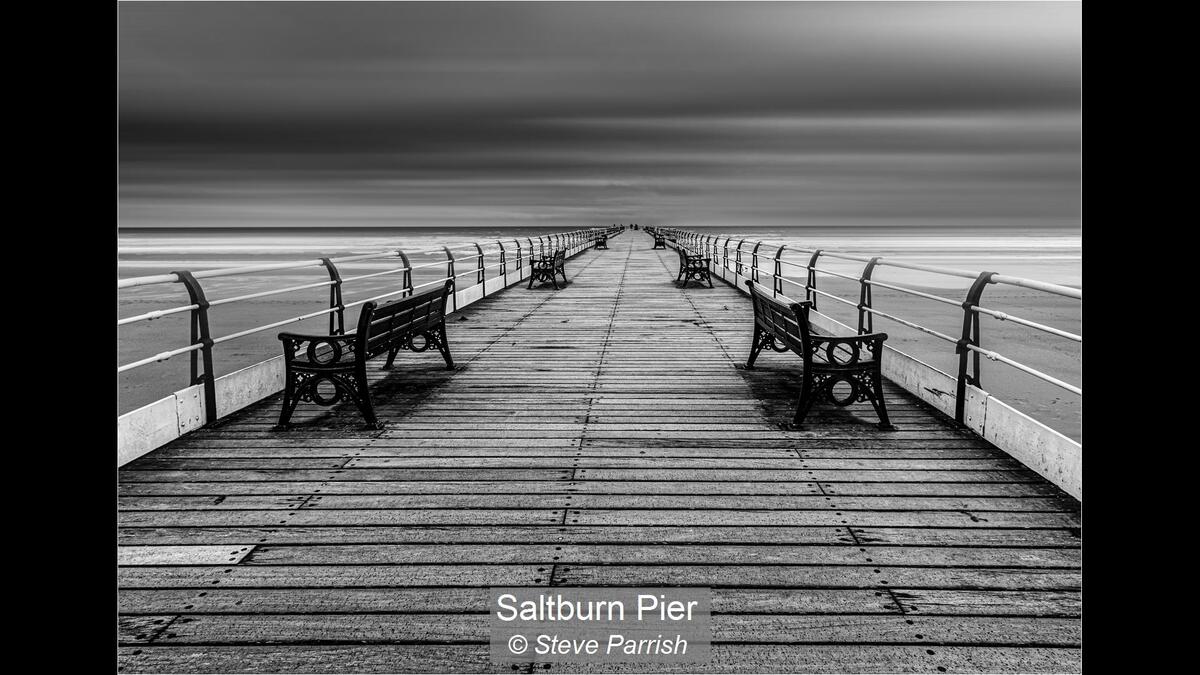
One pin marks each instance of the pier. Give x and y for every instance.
(601, 434)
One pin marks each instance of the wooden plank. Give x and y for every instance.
(763, 576)
(475, 600)
(231, 554)
(846, 490)
(796, 576)
(221, 600)
(311, 659)
(564, 497)
(740, 658)
(725, 658)
(714, 554)
(342, 518)
(781, 628)
(465, 534)
(450, 534)
(339, 576)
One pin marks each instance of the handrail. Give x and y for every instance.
(202, 342)
(967, 345)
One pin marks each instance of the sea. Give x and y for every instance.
(1046, 254)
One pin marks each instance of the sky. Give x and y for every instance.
(395, 114)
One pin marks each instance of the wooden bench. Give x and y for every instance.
(546, 268)
(828, 360)
(660, 241)
(602, 242)
(691, 266)
(324, 369)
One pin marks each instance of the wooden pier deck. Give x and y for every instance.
(603, 434)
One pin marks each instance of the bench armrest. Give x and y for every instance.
(849, 339)
(851, 347)
(322, 350)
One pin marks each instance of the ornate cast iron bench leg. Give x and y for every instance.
(762, 340)
(875, 395)
(289, 400)
(439, 336)
(391, 357)
(362, 397)
(804, 404)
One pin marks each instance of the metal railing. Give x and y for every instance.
(744, 259)
(515, 256)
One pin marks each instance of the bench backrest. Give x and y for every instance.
(379, 326)
(683, 252)
(787, 322)
(560, 257)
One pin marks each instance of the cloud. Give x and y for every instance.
(399, 113)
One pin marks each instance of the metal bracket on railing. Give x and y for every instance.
(337, 323)
(725, 255)
(777, 287)
(970, 336)
(866, 320)
(738, 271)
(530, 250)
(503, 263)
(202, 336)
(754, 263)
(811, 282)
(479, 276)
(408, 281)
(450, 275)
(519, 256)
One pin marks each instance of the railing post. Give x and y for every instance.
(503, 267)
(408, 282)
(754, 263)
(777, 287)
(479, 275)
(202, 336)
(450, 275)
(337, 323)
(519, 256)
(866, 320)
(811, 282)
(970, 336)
(725, 254)
(738, 271)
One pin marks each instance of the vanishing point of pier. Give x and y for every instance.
(601, 434)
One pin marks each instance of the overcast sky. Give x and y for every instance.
(576, 114)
